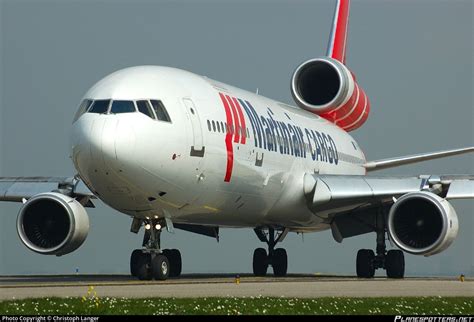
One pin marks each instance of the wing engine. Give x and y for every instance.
(52, 224)
(422, 223)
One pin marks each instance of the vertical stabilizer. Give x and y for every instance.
(338, 38)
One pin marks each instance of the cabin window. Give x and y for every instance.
(213, 126)
(160, 111)
(100, 107)
(209, 125)
(145, 108)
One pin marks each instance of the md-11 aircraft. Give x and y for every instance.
(175, 150)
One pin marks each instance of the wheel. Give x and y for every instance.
(365, 263)
(280, 262)
(177, 263)
(174, 258)
(160, 267)
(144, 272)
(260, 262)
(395, 264)
(134, 261)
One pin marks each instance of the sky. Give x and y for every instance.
(413, 58)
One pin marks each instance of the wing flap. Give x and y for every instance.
(461, 189)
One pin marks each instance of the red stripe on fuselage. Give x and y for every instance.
(236, 120)
(340, 34)
(242, 121)
(228, 140)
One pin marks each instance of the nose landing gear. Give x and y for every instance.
(152, 262)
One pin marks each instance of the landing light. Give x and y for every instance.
(147, 226)
(158, 227)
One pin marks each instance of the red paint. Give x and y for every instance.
(228, 140)
(340, 34)
(364, 117)
(352, 114)
(242, 120)
(236, 120)
(346, 109)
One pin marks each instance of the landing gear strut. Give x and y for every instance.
(277, 258)
(152, 262)
(392, 261)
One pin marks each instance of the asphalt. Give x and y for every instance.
(224, 285)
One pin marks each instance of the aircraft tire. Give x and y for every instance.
(160, 267)
(365, 263)
(175, 261)
(134, 261)
(144, 271)
(395, 263)
(280, 262)
(260, 262)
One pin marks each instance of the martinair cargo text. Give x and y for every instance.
(174, 150)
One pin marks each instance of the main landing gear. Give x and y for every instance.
(392, 261)
(152, 262)
(277, 258)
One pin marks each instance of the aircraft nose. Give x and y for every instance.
(101, 141)
(94, 145)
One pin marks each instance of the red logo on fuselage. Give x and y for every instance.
(235, 129)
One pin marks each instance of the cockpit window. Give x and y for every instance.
(160, 111)
(82, 108)
(122, 107)
(100, 106)
(145, 108)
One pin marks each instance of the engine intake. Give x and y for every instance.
(326, 87)
(52, 224)
(422, 223)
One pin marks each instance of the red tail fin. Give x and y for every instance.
(338, 38)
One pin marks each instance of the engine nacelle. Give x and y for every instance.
(326, 87)
(422, 223)
(52, 224)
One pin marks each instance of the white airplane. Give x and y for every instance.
(172, 149)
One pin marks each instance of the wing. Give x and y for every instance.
(350, 203)
(395, 162)
(18, 189)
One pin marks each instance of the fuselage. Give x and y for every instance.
(221, 156)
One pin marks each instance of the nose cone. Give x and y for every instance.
(101, 145)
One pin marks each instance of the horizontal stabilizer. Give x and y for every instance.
(395, 162)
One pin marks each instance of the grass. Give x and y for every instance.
(93, 305)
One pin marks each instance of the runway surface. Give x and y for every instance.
(223, 285)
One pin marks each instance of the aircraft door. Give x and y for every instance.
(197, 149)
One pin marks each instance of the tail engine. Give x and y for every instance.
(326, 87)
(422, 223)
(52, 224)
